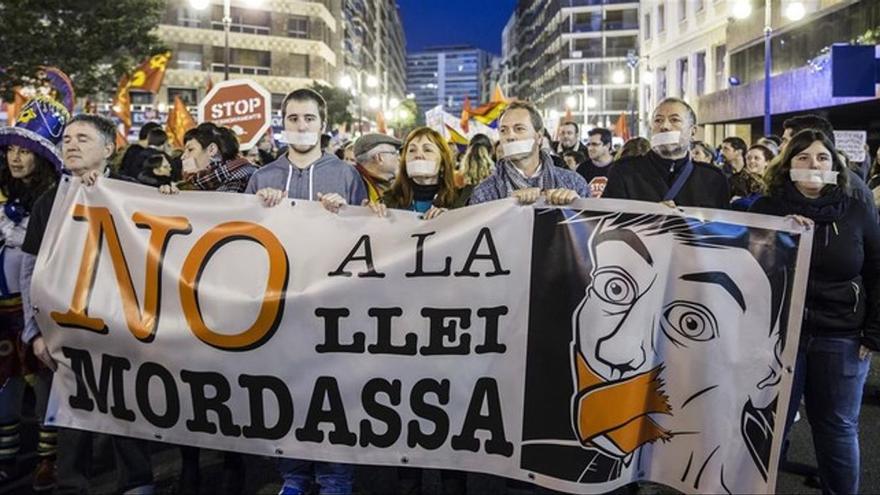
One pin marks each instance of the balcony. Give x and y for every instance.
(241, 28)
(621, 25)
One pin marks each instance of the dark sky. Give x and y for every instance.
(447, 22)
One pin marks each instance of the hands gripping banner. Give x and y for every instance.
(578, 348)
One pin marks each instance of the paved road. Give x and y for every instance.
(262, 478)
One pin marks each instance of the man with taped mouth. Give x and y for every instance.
(667, 173)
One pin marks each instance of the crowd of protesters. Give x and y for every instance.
(800, 175)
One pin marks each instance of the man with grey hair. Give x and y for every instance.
(377, 158)
(527, 172)
(88, 144)
(667, 174)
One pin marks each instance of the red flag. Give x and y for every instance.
(121, 140)
(466, 114)
(148, 76)
(620, 127)
(498, 95)
(122, 102)
(380, 122)
(179, 121)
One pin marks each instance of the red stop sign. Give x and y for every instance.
(240, 104)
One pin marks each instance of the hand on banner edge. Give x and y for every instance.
(41, 350)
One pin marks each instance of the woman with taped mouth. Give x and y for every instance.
(841, 324)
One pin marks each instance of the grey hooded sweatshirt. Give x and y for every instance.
(325, 175)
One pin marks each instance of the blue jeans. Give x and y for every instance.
(830, 376)
(299, 475)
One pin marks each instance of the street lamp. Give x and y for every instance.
(373, 102)
(571, 102)
(345, 82)
(794, 11)
(393, 102)
(372, 81)
(227, 23)
(618, 77)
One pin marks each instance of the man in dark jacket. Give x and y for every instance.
(668, 166)
(134, 154)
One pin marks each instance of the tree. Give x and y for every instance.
(92, 41)
(405, 117)
(338, 101)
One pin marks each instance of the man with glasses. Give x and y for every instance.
(377, 159)
(595, 168)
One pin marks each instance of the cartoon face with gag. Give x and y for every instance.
(667, 333)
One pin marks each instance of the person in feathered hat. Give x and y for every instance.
(29, 165)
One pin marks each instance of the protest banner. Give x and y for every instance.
(578, 348)
(852, 143)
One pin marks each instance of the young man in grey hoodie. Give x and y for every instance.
(305, 172)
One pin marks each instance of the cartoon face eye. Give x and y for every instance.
(614, 286)
(689, 320)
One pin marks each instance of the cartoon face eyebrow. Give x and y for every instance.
(721, 279)
(630, 238)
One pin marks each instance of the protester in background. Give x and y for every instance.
(424, 182)
(857, 189)
(29, 166)
(348, 153)
(595, 168)
(702, 152)
(548, 145)
(132, 159)
(841, 323)
(156, 171)
(572, 158)
(874, 177)
(637, 146)
(268, 150)
(378, 158)
(253, 155)
(477, 163)
(211, 161)
(733, 152)
(88, 144)
(667, 174)
(527, 171)
(569, 139)
(771, 141)
(747, 185)
(305, 172)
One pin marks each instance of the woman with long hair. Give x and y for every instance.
(424, 181)
(841, 323)
(29, 166)
(477, 163)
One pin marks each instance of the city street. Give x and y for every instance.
(262, 477)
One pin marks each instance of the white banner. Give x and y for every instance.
(577, 348)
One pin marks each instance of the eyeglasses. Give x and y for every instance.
(394, 153)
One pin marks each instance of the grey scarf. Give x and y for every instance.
(515, 181)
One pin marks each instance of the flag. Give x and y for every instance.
(121, 106)
(179, 121)
(465, 113)
(380, 122)
(456, 137)
(620, 127)
(498, 95)
(209, 83)
(148, 76)
(568, 117)
(121, 140)
(15, 105)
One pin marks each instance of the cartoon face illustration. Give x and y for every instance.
(667, 296)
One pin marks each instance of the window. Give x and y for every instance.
(700, 63)
(661, 83)
(189, 57)
(243, 61)
(621, 19)
(682, 11)
(647, 26)
(187, 17)
(189, 96)
(299, 65)
(298, 26)
(699, 5)
(720, 80)
(141, 97)
(682, 77)
(248, 21)
(619, 46)
(661, 18)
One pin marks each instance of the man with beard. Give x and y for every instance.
(667, 173)
(569, 138)
(595, 168)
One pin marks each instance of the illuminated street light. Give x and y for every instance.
(345, 82)
(618, 77)
(403, 114)
(741, 9)
(795, 11)
(373, 102)
(571, 102)
(393, 102)
(161, 107)
(372, 81)
(591, 102)
(199, 4)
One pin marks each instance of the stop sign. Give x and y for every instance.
(240, 104)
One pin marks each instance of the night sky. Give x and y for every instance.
(455, 22)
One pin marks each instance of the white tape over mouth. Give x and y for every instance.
(812, 176)
(421, 168)
(665, 138)
(520, 147)
(301, 138)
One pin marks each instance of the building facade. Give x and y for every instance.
(507, 79)
(578, 55)
(282, 44)
(446, 75)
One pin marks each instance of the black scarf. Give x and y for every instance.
(425, 193)
(827, 208)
